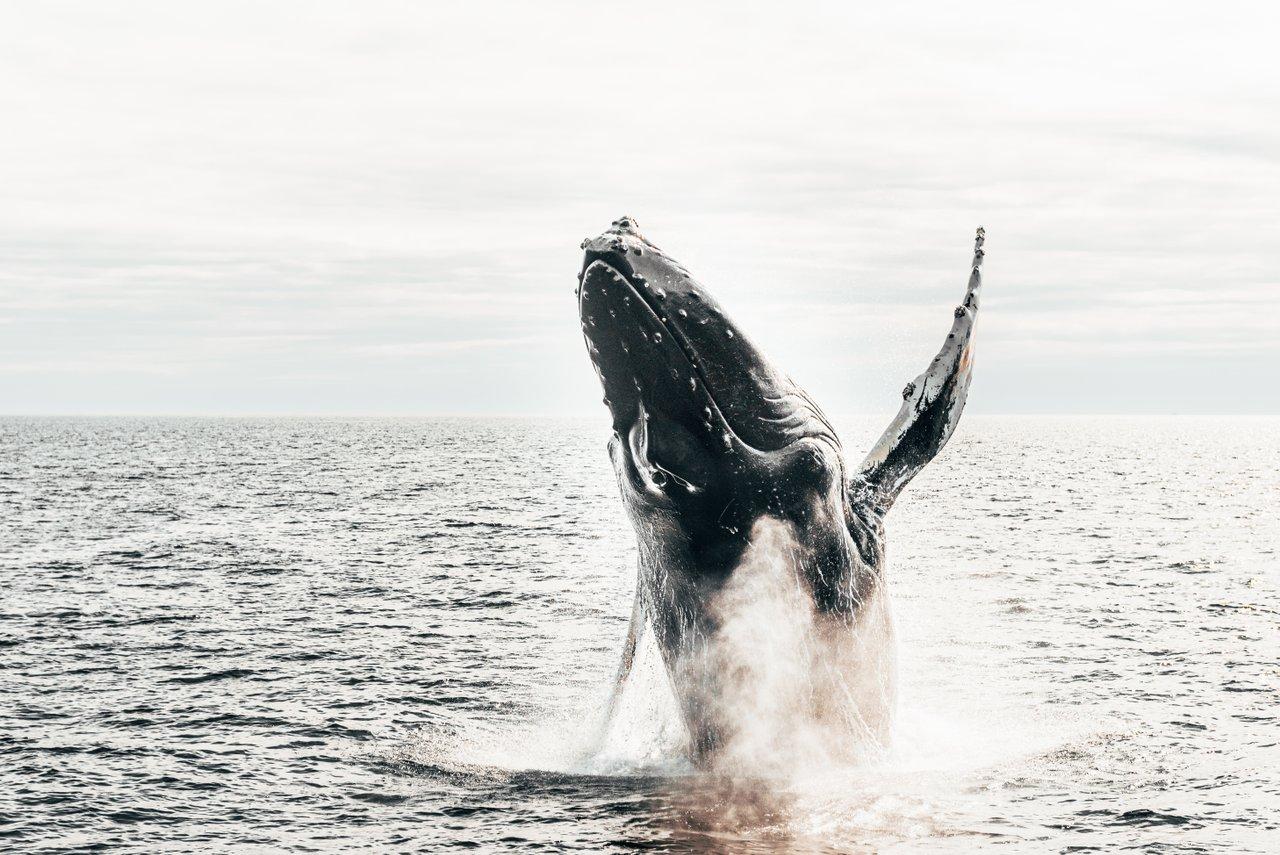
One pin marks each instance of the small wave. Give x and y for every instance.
(380, 798)
(229, 674)
(1145, 817)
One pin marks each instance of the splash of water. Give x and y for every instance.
(796, 691)
(789, 690)
(805, 703)
(643, 730)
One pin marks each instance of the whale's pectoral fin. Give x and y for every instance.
(634, 628)
(931, 406)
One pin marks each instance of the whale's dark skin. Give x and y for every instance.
(710, 437)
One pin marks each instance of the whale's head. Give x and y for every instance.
(708, 435)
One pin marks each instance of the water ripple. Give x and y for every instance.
(292, 635)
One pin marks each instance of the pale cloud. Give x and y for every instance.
(375, 207)
(449, 347)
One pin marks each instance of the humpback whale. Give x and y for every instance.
(717, 451)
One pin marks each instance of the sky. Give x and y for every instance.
(375, 208)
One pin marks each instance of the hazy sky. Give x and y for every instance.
(376, 207)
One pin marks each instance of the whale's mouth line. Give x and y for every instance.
(624, 271)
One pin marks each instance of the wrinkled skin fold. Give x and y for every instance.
(711, 443)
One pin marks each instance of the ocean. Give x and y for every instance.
(386, 635)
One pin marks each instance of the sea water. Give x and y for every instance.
(299, 635)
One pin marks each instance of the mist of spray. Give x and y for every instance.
(794, 690)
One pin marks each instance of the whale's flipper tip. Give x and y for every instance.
(931, 404)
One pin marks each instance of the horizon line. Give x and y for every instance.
(252, 414)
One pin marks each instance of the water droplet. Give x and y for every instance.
(693, 384)
(662, 295)
(729, 333)
(683, 313)
(657, 337)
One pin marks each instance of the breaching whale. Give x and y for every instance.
(710, 441)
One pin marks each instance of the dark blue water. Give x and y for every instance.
(303, 635)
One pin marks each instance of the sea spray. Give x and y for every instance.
(795, 690)
(643, 730)
(789, 691)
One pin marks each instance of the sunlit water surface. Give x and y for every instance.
(397, 635)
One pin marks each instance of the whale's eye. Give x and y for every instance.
(662, 478)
